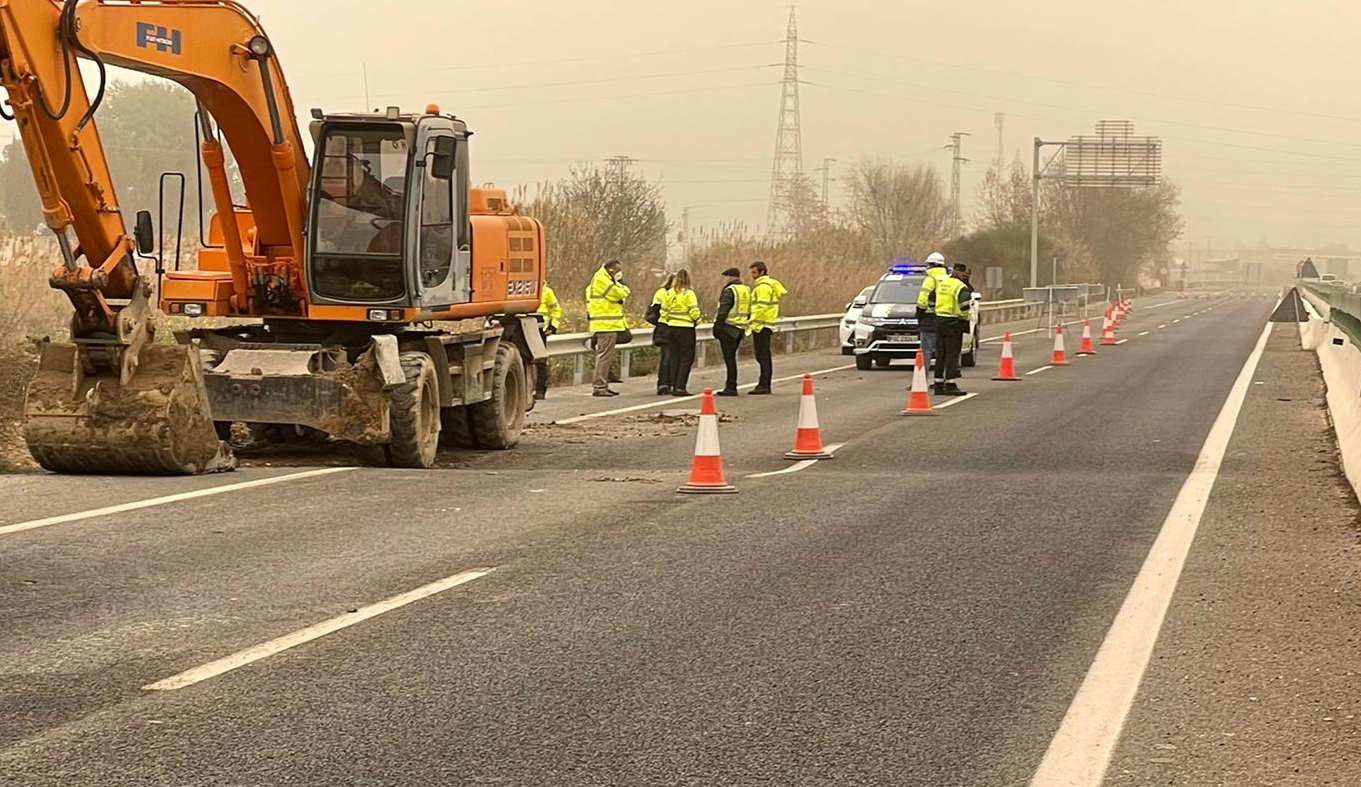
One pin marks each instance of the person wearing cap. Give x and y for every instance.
(551, 312)
(952, 320)
(766, 292)
(961, 272)
(730, 324)
(926, 304)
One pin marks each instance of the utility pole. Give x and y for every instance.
(618, 168)
(826, 170)
(957, 140)
(685, 237)
(787, 171)
(1035, 217)
(1001, 120)
(367, 103)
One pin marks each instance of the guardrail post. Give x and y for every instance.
(701, 351)
(578, 368)
(789, 342)
(624, 359)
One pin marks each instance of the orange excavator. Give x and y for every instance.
(338, 274)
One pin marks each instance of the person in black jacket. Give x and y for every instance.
(730, 324)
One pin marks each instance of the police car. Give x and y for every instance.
(846, 330)
(887, 327)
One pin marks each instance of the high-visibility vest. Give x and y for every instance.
(766, 293)
(681, 309)
(926, 298)
(605, 303)
(740, 316)
(550, 308)
(659, 297)
(952, 298)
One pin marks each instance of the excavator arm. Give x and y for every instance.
(90, 409)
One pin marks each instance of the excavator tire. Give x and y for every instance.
(455, 430)
(157, 424)
(415, 414)
(497, 422)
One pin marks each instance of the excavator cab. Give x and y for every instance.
(389, 223)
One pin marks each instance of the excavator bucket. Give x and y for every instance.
(158, 423)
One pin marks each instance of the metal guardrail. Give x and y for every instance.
(1343, 306)
(578, 345)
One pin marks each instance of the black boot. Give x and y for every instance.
(953, 390)
(939, 389)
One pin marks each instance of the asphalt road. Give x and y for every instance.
(919, 610)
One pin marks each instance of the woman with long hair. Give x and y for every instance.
(659, 337)
(680, 313)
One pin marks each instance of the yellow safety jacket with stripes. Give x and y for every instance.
(766, 293)
(605, 303)
(952, 299)
(550, 308)
(926, 298)
(681, 309)
(740, 315)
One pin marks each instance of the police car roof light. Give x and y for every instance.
(907, 268)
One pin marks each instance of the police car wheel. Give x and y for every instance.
(847, 350)
(864, 363)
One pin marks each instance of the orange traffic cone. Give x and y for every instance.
(1086, 348)
(919, 402)
(1060, 355)
(706, 474)
(1108, 335)
(1006, 370)
(808, 436)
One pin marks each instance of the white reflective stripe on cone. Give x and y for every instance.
(808, 413)
(1006, 349)
(706, 443)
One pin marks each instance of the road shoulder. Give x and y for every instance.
(1252, 681)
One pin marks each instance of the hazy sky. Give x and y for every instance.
(1256, 101)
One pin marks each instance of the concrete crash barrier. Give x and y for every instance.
(1340, 359)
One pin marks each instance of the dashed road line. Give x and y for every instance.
(1140, 333)
(1080, 752)
(799, 465)
(966, 397)
(160, 501)
(674, 399)
(1041, 369)
(1164, 325)
(1122, 341)
(266, 649)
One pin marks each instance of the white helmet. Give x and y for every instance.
(936, 258)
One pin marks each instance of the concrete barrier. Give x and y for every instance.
(1340, 361)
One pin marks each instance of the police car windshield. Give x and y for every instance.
(897, 289)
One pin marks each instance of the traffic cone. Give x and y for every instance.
(919, 401)
(1108, 336)
(706, 473)
(1006, 370)
(1086, 348)
(808, 436)
(1060, 355)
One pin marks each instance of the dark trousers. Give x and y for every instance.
(541, 372)
(729, 344)
(949, 342)
(760, 342)
(682, 343)
(661, 339)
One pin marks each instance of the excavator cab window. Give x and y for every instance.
(360, 209)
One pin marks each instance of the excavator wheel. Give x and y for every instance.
(415, 414)
(158, 423)
(497, 422)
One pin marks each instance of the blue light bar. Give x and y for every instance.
(907, 268)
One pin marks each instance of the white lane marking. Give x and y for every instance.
(966, 397)
(1080, 752)
(1122, 341)
(265, 649)
(1041, 369)
(1164, 325)
(797, 466)
(674, 399)
(1140, 333)
(160, 501)
(1176, 321)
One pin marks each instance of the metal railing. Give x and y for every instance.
(578, 345)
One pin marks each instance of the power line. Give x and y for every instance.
(497, 65)
(575, 99)
(1073, 83)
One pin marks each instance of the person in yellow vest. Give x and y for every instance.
(730, 324)
(551, 311)
(660, 336)
(926, 304)
(680, 314)
(605, 298)
(952, 320)
(766, 293)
